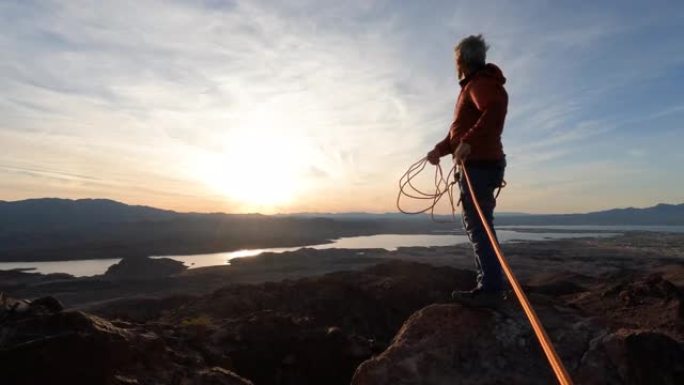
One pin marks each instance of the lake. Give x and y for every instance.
(385, 241)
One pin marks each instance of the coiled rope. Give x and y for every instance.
(442, 187)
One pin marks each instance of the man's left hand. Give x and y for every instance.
(462, 151)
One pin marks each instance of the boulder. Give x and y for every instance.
(645, 303)
(42, 344)
(11, 307)
(632, 357)
(452, 344)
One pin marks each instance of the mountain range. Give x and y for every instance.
(62, 229)
(659, 215)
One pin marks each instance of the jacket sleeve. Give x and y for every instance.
(444, 146)
(491, 100)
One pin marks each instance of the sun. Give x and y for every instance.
(261, 167)
(257, 171)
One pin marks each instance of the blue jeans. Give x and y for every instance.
(485, 180)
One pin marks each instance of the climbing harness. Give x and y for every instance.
(444, 186)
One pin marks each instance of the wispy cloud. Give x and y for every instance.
(136, 93)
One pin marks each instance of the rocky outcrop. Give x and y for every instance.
(388, 324)
(648, 303)
(314, 330)
(450, 343)
(310, 331)
(144, 268)
(42, 344)
(632, 357)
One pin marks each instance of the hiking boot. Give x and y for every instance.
(479, 298)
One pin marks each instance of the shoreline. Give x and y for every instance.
(585, 256)
(137, 241)
(221, 258)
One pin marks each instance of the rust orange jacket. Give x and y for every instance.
(479, 116)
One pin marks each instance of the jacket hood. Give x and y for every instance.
(493, 71)
(489, 70)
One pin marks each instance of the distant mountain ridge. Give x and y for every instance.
(64, 229)
(41, 211)
(658, 215)
(48, 211)
(78, 212)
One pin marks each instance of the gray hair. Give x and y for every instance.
(473, 51)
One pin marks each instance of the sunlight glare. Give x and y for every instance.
(260, 166)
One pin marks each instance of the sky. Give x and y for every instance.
(321, 106)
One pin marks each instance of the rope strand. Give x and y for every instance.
(442, 186)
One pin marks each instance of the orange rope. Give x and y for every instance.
(443, 186)
(556, 364)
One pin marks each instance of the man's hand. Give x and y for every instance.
(462, 152)
(433, 157)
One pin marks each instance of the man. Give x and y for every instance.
(475, 138)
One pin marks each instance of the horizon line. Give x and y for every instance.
(320, 213)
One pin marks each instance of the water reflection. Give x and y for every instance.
(383, 241)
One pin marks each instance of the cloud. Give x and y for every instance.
(133, 93)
